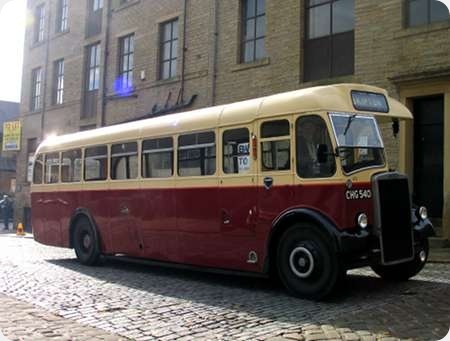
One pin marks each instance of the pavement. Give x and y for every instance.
(46, 294)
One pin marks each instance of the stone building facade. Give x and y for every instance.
(226, 51)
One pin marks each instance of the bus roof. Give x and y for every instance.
(336, 98)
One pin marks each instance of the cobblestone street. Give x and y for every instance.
(46, 294)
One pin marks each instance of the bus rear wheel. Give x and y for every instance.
(307, 262)
(404, 271)
(85, 242)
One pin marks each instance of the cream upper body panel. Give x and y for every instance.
(322, 98)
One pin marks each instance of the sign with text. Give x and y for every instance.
(11, 136)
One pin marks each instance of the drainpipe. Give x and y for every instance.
(183, 57)
(105, 63)
(44, 75)
(215, 44)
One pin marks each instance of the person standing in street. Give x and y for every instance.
(5, 206)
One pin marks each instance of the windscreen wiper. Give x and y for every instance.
(349, 122)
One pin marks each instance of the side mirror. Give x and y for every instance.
(322, 153)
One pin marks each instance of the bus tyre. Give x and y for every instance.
(404, 271)
(307, 262)
(85, 242)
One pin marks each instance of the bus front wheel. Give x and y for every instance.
(404, 271)
(85, 242)
(307, 262)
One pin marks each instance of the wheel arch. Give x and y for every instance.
(290, 217)
(81, 213)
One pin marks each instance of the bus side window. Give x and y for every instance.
(51, 168)
(124, 161)
(275, 145)
(38, 170)
(311, 131)
(95, 163)
(71, 166)
(236, 151)
(197, 154)
(157, 158)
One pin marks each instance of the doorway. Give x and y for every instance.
(429, 153)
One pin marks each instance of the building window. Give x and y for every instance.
(423, 12)
(329, 42)
(126, 64)
(39, 24)
(58, 96)
(94, 18)
(62, 18)
(253, 30)
(92, 77)
(36, 90)
(169, 49)
(93, 69)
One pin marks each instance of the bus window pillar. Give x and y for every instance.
(446, 213)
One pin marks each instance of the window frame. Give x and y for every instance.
(128, 71)
(171, 42)
(158, 151)
(39, 27)
(197, 146)
(36, 89)
(243, 27)
(58, 81)
(249, 155)
(72, 166)
(274, 139)
(40, 159)
(407, 20)
(62, 19)
(45, 169)
(331, 39)
(127, 155)
(107, 176)
(93, 67)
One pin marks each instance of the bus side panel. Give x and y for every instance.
(158, 224)
(45, 206)
(96, 202)
(38, 219)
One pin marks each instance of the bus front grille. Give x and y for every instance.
(393, 218)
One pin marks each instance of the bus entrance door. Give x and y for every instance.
(275, 168)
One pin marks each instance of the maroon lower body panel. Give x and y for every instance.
(212, 227)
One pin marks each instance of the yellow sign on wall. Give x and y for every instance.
(11, 136)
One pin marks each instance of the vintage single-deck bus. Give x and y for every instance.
(294, 184)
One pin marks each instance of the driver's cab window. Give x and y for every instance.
(315, 157)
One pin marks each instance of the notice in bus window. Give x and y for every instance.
(244, 161)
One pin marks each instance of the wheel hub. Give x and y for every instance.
(87, 241)
(301, 262)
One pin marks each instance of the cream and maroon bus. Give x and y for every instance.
(296, 185)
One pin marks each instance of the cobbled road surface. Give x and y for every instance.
(46, 294)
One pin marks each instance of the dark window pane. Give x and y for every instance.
(175, 49)
(418, 12)
(38, 169)
(317, 2)
(173, 68)
(250, 29)
(251, 8)
(343, 54)
(317, 59)
(260, 26)
(343, 16)
(439, 11)
(260, 49)
(275, 129)
(166, 70)
(166, 51)
(261, 7)
(311, 131)
(276, 155)
(51, 168)
(95, 163)
(71, 166)
(236, 151)
(249, 51)
(319, 22)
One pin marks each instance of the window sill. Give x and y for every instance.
(251, 65)
(126, 5)
(37, 44)
(60, 34)
(168, 81)
(328, 81)
(131, 94)
(423, 29)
